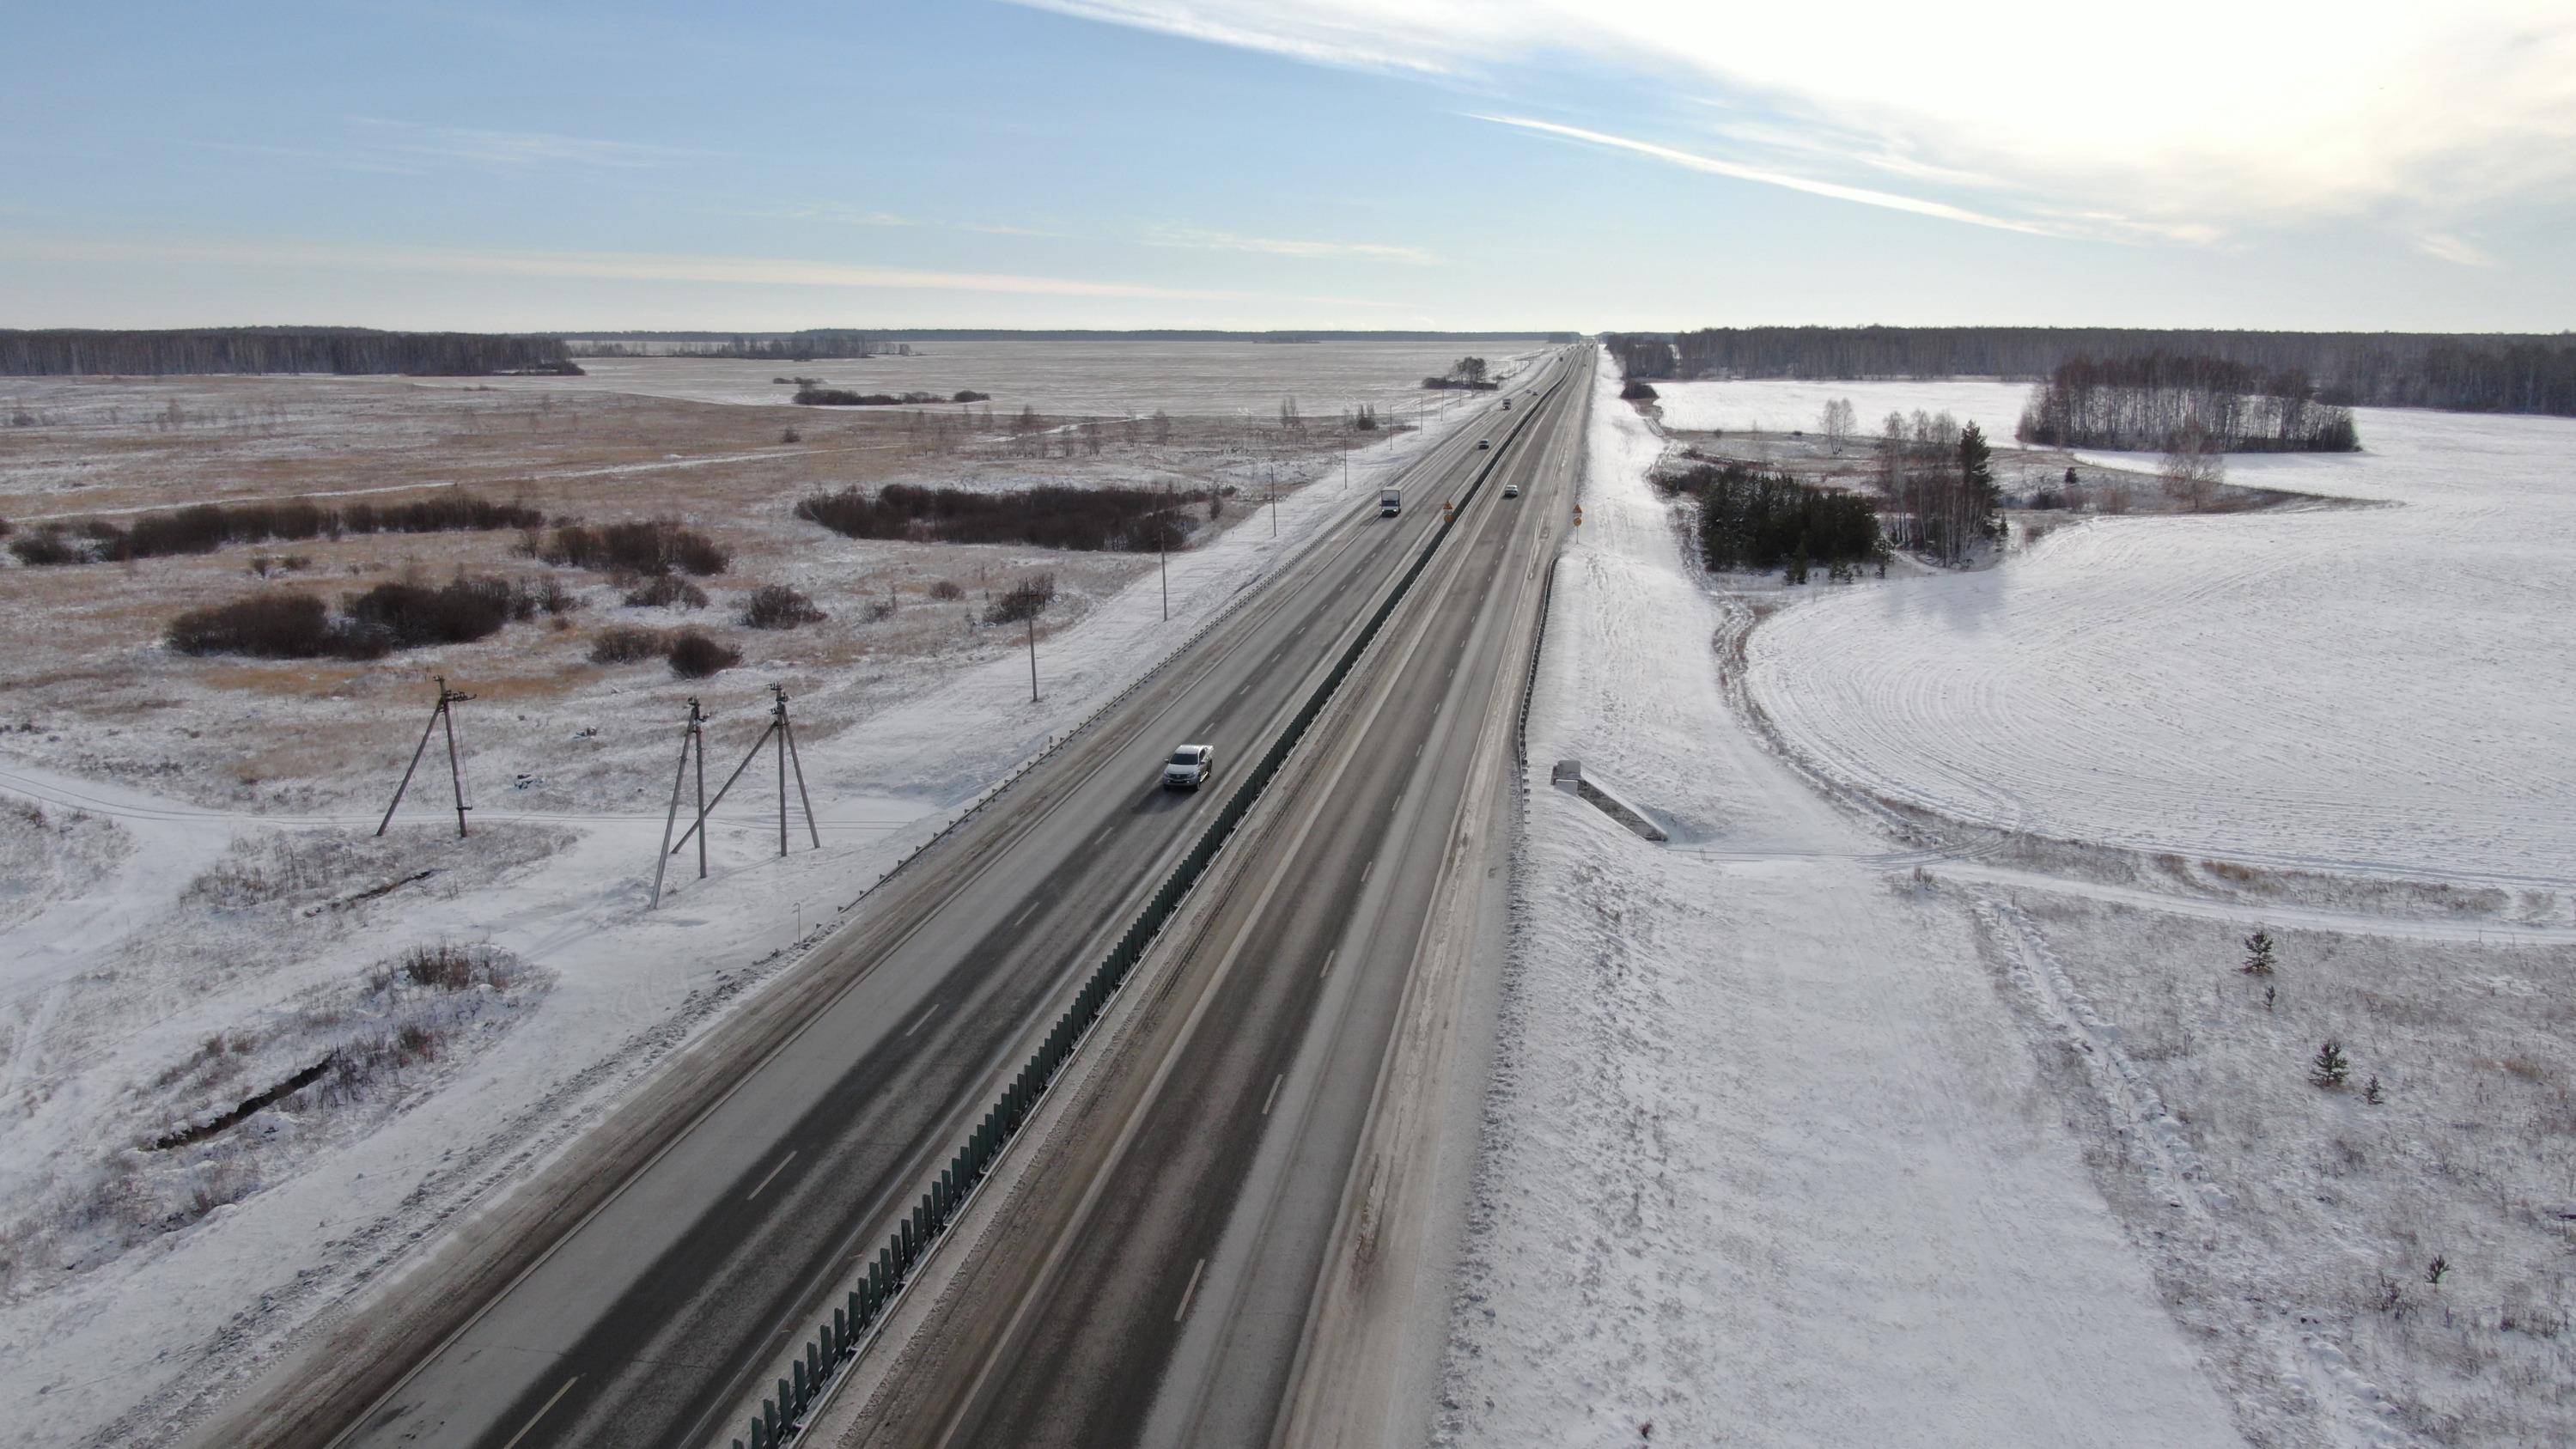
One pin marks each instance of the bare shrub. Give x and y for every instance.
(776, 606)
(264, 626)
(624, 645)
(947, 591)
(449, 967)
(1094, 519)
(1023, 600)
(412, 616)
(666, 591)
(693, 655)
(205, 527)
(47, 547)
(644, 546)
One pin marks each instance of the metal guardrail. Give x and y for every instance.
(861, 1316)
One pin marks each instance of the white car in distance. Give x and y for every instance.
(1189, 767)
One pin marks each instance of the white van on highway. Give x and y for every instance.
(1189, 767)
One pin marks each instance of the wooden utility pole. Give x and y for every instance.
(1033, 656)
(692, 741)
(440, 714)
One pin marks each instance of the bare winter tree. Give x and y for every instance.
(2194, 467)
(1839, 421)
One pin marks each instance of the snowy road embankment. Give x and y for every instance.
(1767, 1160)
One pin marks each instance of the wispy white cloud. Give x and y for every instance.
(859, 216)
(1715, 167)
(516, 151)
(626, 266)
(1226, 241)
(2209, 117)
(334, 160)
(2456, 249)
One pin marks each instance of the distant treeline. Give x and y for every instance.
(2461, 372)
(2161, 403)
(205, 527)
(834, 397)
(805, 346)
(67, 352)
(1460, 383)
(1148, 334)
(1754, 520)
(1092, 519)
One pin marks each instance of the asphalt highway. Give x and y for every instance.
(646, 1322)
(1160, 1299)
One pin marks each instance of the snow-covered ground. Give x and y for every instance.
(167, 968)
(1111, 379)
(1767, 1160)
(2384, 690)
(1804, 1134)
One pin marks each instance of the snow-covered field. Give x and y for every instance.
(1803, 1135)
(202, 912)
(2384, 690)
(1113, 379)
(1766, 1161)
(1782, 405)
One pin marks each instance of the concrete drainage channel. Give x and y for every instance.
(1568, 776)
(814, 1375)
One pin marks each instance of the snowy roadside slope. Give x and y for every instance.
(1766, 1159)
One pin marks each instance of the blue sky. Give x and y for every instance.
(1515, 163)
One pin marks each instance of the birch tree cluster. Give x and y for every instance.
(1939, 482)
(2168, 404)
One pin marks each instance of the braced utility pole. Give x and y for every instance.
(439, 714)
(787, 758)
(692, 740)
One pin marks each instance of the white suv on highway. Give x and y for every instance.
(1189, 767)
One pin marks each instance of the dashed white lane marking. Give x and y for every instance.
(1273, 1098)
(1191, 1291)
(917, 1022)
(773, 1177)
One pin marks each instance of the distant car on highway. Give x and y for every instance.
(1511, 490)
(1483, 443)
(1390, 502)
(1189, 767)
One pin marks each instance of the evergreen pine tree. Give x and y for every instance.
(1977, 479)
(2258, 954)
(2330, 1066)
